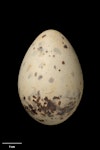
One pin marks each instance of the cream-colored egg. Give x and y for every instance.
(50, 80)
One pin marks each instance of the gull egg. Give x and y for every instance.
(50, 80)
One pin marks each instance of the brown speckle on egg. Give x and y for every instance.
(53, 55)
(61, 118)
(41, 120)
(59, 103)
(38, 99)
(29, 66)
(40, 77)
(63, 62)
(30, 106)
(24, 97)
(29, 98)
(33, 111)
(35, 74)
(39, 109)
(65, 46)
(34, 97)
(25, 107)
(43, 35)
(51, 80)
(56, 97)
(54, 67)
(59, 70)
(40, 48)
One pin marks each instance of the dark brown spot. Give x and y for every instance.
(46, 99)
(40, 48)
(56, 97)
(39, 109)
(65, 46)
(30, 106)
(33, 111)
(59, 70)
(53, 55)
(59, 103)
(39, 104)
(41, 120)
(40, 77)
(34, 96)
(38, 99)
(35, 74)
(24, 98)
(51, 80)
(26, 107)
(46, 51)
(43, 35)
(63, 62)
(49, 114)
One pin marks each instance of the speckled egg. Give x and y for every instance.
(50, 80)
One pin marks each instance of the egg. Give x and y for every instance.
(50, 79)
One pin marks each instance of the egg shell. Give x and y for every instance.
(50, 80)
